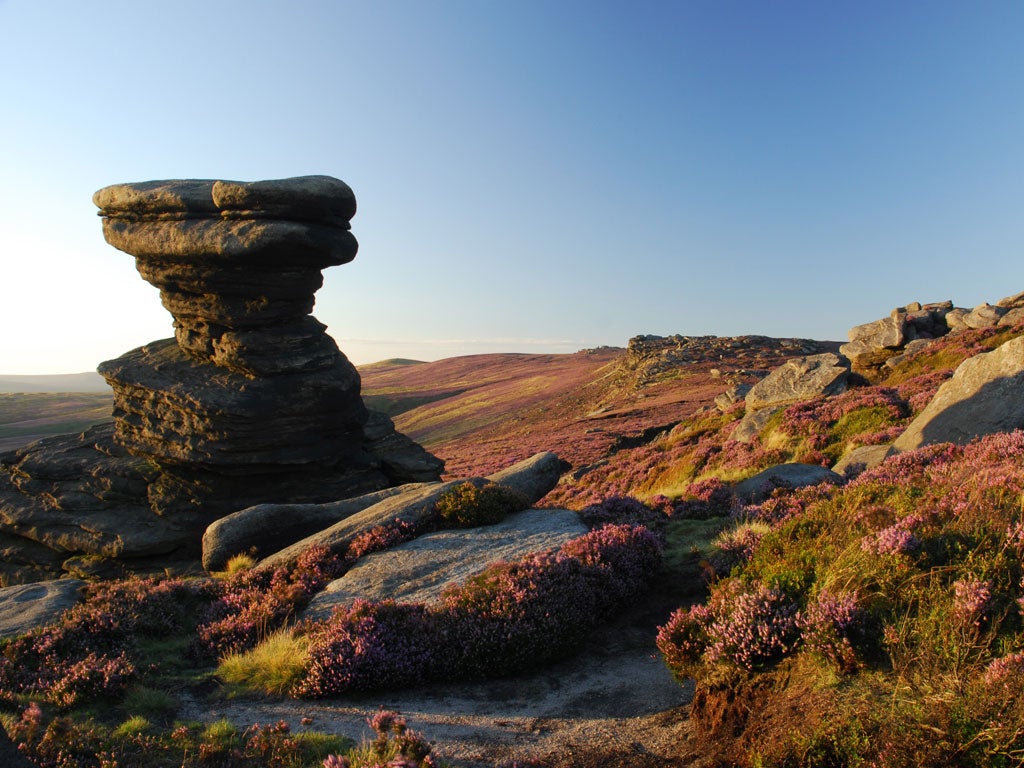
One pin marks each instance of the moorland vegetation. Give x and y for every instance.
(874, 622)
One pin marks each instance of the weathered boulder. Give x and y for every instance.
(1012, 302)
(873, 344)
(24, 607)
(760, 486)
(532, 478)
(263, 529)
(985, 395)
(984, 316)
(862, 458)
(419, 570)
(753, 422)
(1014, 316)
(800, 379)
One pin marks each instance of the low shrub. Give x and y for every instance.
(469, 506)
(510, 617)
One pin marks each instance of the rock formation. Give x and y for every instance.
(251, 401)
(985, 395)
(798, 379)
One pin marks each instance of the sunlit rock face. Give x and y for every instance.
(250, 402)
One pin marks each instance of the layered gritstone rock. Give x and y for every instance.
(251, 401)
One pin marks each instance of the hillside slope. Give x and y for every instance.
(482, 412)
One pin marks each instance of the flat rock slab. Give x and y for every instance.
(27, 606)
(419, 570)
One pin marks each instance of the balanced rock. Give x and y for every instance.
(985, 395)
(419, 570)
(251, 402)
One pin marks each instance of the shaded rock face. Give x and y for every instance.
(251, 402)
(985, 395)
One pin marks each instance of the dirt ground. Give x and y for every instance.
(615, 704)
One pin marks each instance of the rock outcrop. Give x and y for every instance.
(418, 571)
(251, 401)
(985, 395)
(798, 379)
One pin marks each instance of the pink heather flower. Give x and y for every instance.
(1000, 670)
(386, 721)
(336, 761)
(896, 539)
(971, 599)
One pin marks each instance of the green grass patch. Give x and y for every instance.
(272, 667)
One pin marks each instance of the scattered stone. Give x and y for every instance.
(728, 399)
(911, 348)
(24, 607)
(985, 395)
(862, 458)
(800, 379)
(759, 487)
(418, 571)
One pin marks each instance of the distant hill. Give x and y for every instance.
(61, 382)
(483, 412)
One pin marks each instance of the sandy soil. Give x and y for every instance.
(615, 704)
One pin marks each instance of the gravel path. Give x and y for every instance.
(614, 704)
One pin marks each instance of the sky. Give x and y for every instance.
(532, 176)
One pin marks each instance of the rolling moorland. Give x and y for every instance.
(870, 619)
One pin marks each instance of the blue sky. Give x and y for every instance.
(531, 176)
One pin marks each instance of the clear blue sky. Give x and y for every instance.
(537, 175)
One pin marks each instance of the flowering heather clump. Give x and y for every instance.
(621, 509)
(379, 538)
(898, 539)
(87, 653)
(683, 639)
(705, 499)
(747, 629)
(785, 504)
(831, 625)
(369, 645)
(971, 601)
(511, 616)
(736, 545)
(255, 603)
(755, 628)
(1000, 670)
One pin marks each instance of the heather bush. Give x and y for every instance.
(88, 653)
(467, 506)
(510, 617)
(899, 594)
(624, 510)
(253, 604)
